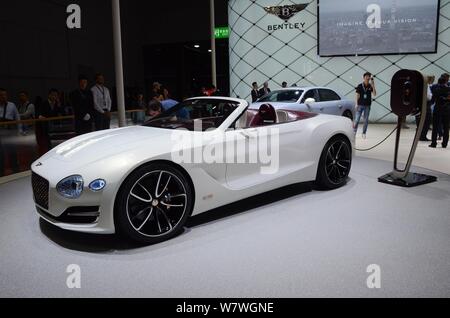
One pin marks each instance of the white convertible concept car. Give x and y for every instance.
(133, 181)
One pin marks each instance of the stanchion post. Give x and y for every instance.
(213, 43)
(117, 32)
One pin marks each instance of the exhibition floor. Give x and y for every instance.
(288, 243)
(437, 159)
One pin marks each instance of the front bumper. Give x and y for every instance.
(94, 228)
(91, 213)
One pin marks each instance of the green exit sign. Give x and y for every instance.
(222, 33)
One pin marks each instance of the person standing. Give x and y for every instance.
(82, 102)
(139, 104)
(446, 76)
(156, 88)
(102, 103)
(265, 90)
(364, 94)
(255, 92)
(8, 110)
(441, 115)
(284, 85)
(8, 152)
(427, 125)
(26, 110)
(48, 109)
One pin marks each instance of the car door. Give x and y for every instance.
(330, 102)
(283, 156)
(241, 171)
(315, 107)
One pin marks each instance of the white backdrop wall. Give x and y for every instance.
(257, 54)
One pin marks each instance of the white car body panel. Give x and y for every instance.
(114, 154)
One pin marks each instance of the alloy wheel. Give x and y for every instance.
(338, 162)
(156, 203)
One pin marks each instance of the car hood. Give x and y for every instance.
(103, 144)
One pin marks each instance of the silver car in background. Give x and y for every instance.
(319, 100)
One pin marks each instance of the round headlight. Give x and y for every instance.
(71, 187)
(97, 185)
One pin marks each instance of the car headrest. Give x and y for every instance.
(267, 114)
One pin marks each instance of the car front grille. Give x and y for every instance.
(40, 190)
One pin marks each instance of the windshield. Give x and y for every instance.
(287, 96)
(197, 114)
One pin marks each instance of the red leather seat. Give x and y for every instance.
(266, 115)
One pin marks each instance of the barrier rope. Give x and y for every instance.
(381, 142)
(378, 144)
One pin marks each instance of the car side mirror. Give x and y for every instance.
(309, 101)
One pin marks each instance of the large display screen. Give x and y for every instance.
(377, 27)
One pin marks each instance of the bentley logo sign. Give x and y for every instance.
(286, 12)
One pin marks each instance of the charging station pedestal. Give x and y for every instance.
(408, 93)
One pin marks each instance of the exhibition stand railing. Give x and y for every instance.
(24, 141)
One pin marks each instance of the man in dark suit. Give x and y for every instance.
(51, 107)
(48, 109)
(82, 102)
(441, 115)
(255, 92)
(265, 90)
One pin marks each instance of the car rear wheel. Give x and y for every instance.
(335, 164)
(153, 204)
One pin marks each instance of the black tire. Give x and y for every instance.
(348, 114)
(153, 204)
(335, 164)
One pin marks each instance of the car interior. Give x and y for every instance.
(267, 115)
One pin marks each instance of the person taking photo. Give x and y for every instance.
(364, 94)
